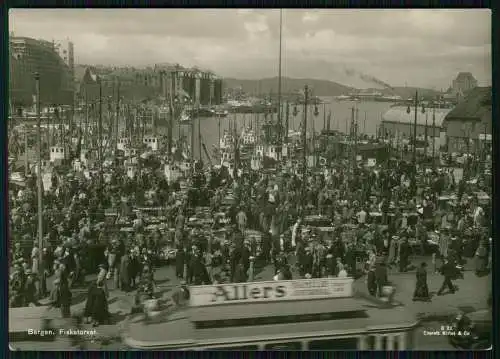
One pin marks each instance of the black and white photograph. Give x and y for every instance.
(250, 179)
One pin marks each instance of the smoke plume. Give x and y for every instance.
(368, 78)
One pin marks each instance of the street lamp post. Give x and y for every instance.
(39, 166)
(426, 138)
(26, 161)
(414, 187)
(99, 145)
(304, 143)
(434, 136)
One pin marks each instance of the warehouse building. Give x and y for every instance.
(397, 122)
(469, 125)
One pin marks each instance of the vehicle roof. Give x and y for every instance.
(181, 332)
(483, 315)
(261, 310)
(24, 318)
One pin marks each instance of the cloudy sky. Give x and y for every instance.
(418, 47)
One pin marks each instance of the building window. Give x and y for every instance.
(284, 346)
(334, 344)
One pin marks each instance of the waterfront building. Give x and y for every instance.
(162, 80)
(468, 125)
(398, 122)
(463, 83)
(53, 61)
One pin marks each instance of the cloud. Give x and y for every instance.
(420, 47)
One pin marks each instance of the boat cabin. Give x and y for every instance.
(259, 151)
(131, 170)
(77, 166)
(45, 165)
(256, 163)
(57, 153)
(172, 172)
(226, 158)
(130, 152)
(285, 151)
(105, 140)
(122, 143)
(249, 138)
(304, 314)
(151, 142)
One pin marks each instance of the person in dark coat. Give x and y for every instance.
(198, 274)
(421, 289)
(30, 289)
(240, 276)
(61, 296)
(404, 255)
(135, 268)
(481, 258)
(96, 308)
(125, 273)
(448, 271)
(179, 262)
(286, 272)
(308, 260)
(381, 277)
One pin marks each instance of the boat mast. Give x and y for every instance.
(287, 119)
(86, 141)
(279, 82)
(117, 113)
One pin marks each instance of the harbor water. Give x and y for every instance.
(369, 118)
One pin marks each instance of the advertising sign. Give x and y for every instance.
(259, 292)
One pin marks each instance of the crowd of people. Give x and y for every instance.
(376, 218)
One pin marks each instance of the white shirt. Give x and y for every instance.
(342, 274)
(361, 216)
(478, 213)
(294, 234)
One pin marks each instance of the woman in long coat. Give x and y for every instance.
(391, 257)
(421, 288)
(481, 258)
(444, 243)
(124, 273)
(96, 307)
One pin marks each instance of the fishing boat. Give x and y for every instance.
(248, 137)
(226, 141)
(221, 113)
(185, 118)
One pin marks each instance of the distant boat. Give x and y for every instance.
(343, 97)
(185, 117)
(221, 113)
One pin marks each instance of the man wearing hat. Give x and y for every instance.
(60, 296)
(404, 254)
(96, 307)
(448, 270)
(17, 281)
(444, 240)
(30, 289)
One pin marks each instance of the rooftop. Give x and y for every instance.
(398, 114)
(476, 104)
(464, 75)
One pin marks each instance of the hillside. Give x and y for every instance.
(320, 87)
(288, 85)
(407, 92)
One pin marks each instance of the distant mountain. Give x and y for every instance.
(319, 87)
(409, 92)
(288, 85)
